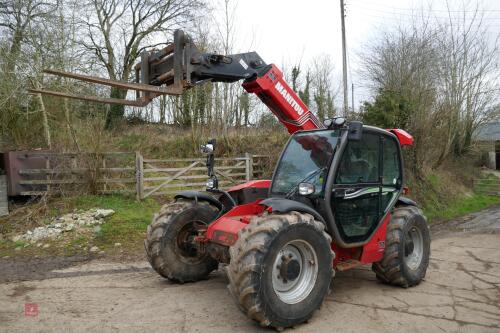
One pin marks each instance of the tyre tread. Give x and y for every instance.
(246, 256)
(388, 270)
(155, 232)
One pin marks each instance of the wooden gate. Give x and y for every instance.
(60, 173)
(117, 172)
(166, 176)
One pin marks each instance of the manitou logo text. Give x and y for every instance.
(286, 95)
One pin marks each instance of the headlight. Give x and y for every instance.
(210, 183)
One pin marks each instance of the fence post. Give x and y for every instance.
(47, 175)
(139, 176)
(248, 167)
(103, 173)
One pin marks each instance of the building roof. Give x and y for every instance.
(488, 132)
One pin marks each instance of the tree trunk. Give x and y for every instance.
(116, 112)
(45, 122)
(71, 130)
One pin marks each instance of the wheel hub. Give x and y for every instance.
(289, 268)
(414, 248)
(409, 246)
(294, 271)
(186, 239)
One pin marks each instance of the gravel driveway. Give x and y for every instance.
(460, 294)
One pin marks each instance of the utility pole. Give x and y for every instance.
(352, 96)
(344, 59)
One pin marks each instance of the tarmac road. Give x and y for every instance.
(460, 294)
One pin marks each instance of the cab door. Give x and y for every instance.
(366, 184)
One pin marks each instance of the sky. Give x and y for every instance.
(286, 32)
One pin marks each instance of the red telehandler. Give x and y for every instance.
(335, 201)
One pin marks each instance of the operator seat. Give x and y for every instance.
(352, 172)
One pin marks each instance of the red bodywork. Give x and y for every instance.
(265, 183)
(225, 229)
(280, 98)
(372, 251)
(405, 138)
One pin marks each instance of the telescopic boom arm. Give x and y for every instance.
(180, 66)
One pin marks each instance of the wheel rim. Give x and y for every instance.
(414, 248)
(295, 271)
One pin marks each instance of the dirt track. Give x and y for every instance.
(461, 294)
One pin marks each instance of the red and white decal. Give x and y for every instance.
(289, 98)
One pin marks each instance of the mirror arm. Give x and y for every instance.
(210, 164)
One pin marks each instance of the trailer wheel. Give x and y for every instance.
(169, 241)
(407, 251)
(281, 268)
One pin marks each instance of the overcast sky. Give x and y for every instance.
(286, 32)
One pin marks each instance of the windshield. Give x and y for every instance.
(306, 152)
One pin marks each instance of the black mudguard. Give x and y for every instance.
(281, 205)
(199, 196)
(406, 201)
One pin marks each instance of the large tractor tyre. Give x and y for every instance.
(407, 248)
(281, 268)
(169, 242)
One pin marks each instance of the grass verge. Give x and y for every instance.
(126, 226)
(129, 223)
(461, 206)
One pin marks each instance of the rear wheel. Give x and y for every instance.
(170, 245)
(407, 251)
(281, 268)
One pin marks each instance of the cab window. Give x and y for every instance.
(392, 168)
(360, 161)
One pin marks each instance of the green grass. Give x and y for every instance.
(129, 223)
(127, 226)
(19, 243)
(462, 206)
(434, 180)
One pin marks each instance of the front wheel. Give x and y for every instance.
(170, 244)
(407, 250)
(281, 268)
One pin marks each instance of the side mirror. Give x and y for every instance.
(306, 189)
(355, 130)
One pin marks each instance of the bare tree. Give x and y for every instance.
(324, 93)
(468, 68)
(119, 30)
(17, 16)
(227, 92)
(401, 67)
(19, 20)
(438, 80)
